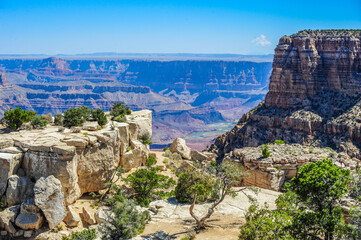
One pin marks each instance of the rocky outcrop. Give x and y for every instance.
(65, 164)
(49, 197)
(72, 218)
(179, 146)
(313, 98)
(283, 163)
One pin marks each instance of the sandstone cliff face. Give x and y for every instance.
(310, 63)
(83, 162)
(313, 99)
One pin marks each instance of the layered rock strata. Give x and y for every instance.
(314, 97)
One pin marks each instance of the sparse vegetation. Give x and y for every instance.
(58, 119)
(145, 138)
(147, 184)
(150, 161)
(265, 152)
(87, 234)
(14, 118)
(279, 142)
(118, 110)
(38, 122)
(99, 116)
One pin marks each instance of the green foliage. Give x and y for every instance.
(99, 116)
(76, 116)
(265, 152)
(119, 109)
(38, 122)
(58, 119)
(145, 138)
(129, 149)
(193, 181)
(120, 118)
(310, 208)
(262, 223)
(150, 161)
(165, 149)
(279, 142)
(126, 221)
(14, 118)
(2, 203)
(83, 235)
(148, 185)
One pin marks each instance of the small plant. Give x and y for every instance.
(38, 122)
(129, 149)
(58, 119)
(265, 152)
(112, 127)
(150, 161)
(149, 185)
(311, 149)
(165, 149)
(2, 203)
(48, 117)
(88, 234)
(120, 118)
(145, 138)
(14, 118)
(100, 127)
(119, 109)
(279, 142)
(99, 116)
(85, 133)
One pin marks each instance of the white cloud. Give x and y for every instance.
(261, 41)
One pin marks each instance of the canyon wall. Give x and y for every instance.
(313, 99)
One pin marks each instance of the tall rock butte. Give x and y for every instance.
(313, 99)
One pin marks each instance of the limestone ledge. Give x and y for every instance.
(283, 163)
(83, 160)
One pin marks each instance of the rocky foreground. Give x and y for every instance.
(43, 171)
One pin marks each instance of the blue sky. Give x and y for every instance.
(156, 26)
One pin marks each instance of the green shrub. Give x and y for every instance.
(129, 149)
(149, 185)
(74, 117)
(126, 221)
(85, 112)
(265, 152)
(58, 119)
(119, 109)
(121, 118)
(83, 235)
(279, 142)
(14, 118)
(165, 149)
(150, 161)
(145, 138)
(186, 180)
(99, 116)
(38, 122)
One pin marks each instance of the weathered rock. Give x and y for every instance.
(30, 216)
(7, 218)
(87, 217)
(102, 216)
(179, 146)
(140, 123)
(49, 197)
(72, 218)
(19, 233)
(13, 150)
(198, 156)
(91, 126)
(123, 129)
(19, 189)
(9, 163)
(28, 234)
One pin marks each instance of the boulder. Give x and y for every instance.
(123, 129)
(49, 197)
(28, 234)
(7, 218)
(72, 218)
(30, 216)
(103, 216)
(10, 164)
(198, 156)
(179, 146)
(91, 126)
(87, 217)
(140, 123)
(19, 189)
